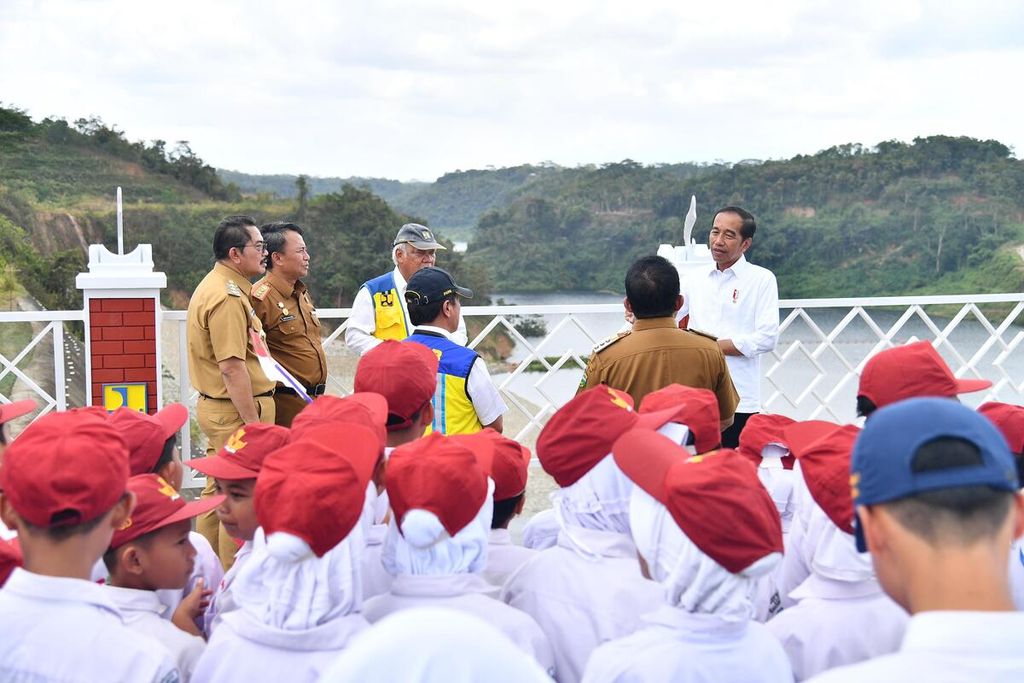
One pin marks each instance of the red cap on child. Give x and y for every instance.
(699, 412)
(911, 371)
(405, 373)
(581, 433)
(10, 559)
(157, 505)
(716, 499)
(825, 464)
(315, 487)
(146, 435)
(1008, 419)
(439, 475)
(15, 409)
(244, 452)
(361, 408)
(761, 430)
(65, 468)
(511, 465)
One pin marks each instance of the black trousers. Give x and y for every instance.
(731, 436)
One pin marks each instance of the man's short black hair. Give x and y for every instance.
(652, 286)
(504, 511)
(233, 231)
(960, 515)
(427, 313)
(749, 226)
(273, 238)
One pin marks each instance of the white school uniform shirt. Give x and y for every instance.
(678, 646)
(541, 531)
(504, 557)
(1017, 573)
(144, 613)
(581, 603)
(466, 593)
(245, 650)
(222, 601)
(362, 323)
(836, 623)
(376, 580)
(951, 647)
(69, 630)
(207, 567)
(740, 303)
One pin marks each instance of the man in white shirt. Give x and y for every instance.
(379, 311)
(466, 399)
(738, 302)
(937, 504)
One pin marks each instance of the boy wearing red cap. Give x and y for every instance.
(152, 552)
(1009, 419)
(235, 470)
(705, 530)
(8, 412)
(64, 483)
(587, 589)
(299, 596)
(436, 547)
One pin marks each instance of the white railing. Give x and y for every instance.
(45, 364)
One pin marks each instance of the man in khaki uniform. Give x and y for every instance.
(233, 390)
(656, 353)
(282, 303)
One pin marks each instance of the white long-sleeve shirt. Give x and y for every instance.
(835, 623)
(581, 603)
(361, 325)
(376, 580)
(740, 303)
(223, 600)
(145, 613)
(244, 650)
(504, 557)
(952, 647)
(677, 646)
(466, 593)
(1016, 573)
(69, 630)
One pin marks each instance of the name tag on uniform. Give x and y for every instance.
(287, 318)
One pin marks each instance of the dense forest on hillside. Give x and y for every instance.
(935, 215)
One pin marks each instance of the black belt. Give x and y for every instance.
(318, 390)
(211, 398)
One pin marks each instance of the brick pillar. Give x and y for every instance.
(122, 319)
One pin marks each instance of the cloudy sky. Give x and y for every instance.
(414, 89)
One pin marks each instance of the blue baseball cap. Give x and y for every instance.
(881, 466)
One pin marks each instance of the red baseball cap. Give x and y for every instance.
(361, 408)
(717, 498)
(440, 475)
(511, 466)
(700, 412)
(404, 373)
(157, 504)
(10, 559)
(1009, 419)
(15, 409)
(482, 447)
(243, 454)
(581, 433)
(315, 487)
(761, 430)
(910, 371)
(65, 468)
(824, 456)
(146, 435)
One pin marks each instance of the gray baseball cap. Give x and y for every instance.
(418, 236)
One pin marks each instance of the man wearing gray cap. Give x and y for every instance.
(379, 311)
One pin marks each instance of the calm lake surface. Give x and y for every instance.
(786, 384)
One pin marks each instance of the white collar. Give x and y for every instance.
(400, 282)
(737, 268)
(981, 634)
(436, 330)
(604, 543)
(500, 537)
(441, 585)
(40, 588)
(135, 600)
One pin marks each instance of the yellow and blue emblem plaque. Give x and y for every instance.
(128, 394)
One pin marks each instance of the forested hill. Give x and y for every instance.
(938, 215)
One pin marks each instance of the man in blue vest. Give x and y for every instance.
(465, 400)
(379, 311)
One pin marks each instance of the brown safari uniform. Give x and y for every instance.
(656, 353)
(218, 324)
(293, 337)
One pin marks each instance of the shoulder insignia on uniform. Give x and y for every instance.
(609, 341)
(233, 289)
(704, 334)
(259, 291)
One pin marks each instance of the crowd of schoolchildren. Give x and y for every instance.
(368, 552)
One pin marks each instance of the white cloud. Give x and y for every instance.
(414, 89)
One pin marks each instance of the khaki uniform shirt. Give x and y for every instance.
(292, 326)
(656, 353)
(218, 324)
